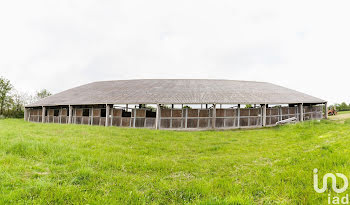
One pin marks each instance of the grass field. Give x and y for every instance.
(66, 164)
(341, 116)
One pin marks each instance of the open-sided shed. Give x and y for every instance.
(177, 104)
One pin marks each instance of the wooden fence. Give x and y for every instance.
(176, 118)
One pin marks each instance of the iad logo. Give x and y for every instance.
(335, 199)
(334, 182)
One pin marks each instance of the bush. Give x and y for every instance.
(13, 114)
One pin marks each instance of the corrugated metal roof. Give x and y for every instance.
(177, 91)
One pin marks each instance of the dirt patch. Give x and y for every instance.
(341, 117)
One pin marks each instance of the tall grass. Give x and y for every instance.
(66, 164)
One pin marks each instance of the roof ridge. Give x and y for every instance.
(209, 79)
(178, 91)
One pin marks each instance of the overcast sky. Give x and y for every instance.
(303, 45)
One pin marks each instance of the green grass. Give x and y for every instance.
(343, 112)
(66, 164)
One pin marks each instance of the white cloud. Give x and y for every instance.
(57, 45)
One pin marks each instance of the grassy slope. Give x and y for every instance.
(48, 163)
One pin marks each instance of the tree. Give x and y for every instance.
(186, 106)
(342, 106)
(5, 89)
(19, 100)
(42, 94)
(248, 106)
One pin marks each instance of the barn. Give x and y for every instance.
(177, 104)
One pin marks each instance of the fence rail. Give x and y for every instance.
(177, 118)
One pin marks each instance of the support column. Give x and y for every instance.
(239, 115)
(107, 115)
(112, 113)
(186, 117)
(43, 114)
(60, 115)
(264, 115)
(301, 108)
(74, 120)
(25, 114)
(326, 111)
(280, 113)
(92, 116)
(213, 123)
(70, 111)
(158, 117)
(134, 122)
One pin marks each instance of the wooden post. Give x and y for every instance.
(25, 114)
(92, 116)
(171, 117)
(107, 115)
(213, 123)
(249, 117)
(197, 119)
(158, 117)
(239, 115)
(145, 116)
(43, 114)
(112, 113)
(186, 118)
(225, 118)
(326, 111)
(70, 111)
(134, 123)
(264, 115)
(60, 115)
(74, 115)
(182, 118)
(301, 108)
(281, 113)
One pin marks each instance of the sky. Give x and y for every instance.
(57, 45)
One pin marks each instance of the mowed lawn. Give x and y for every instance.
(66, 164)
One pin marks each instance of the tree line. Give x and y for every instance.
(341, 107)
(12, 101)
